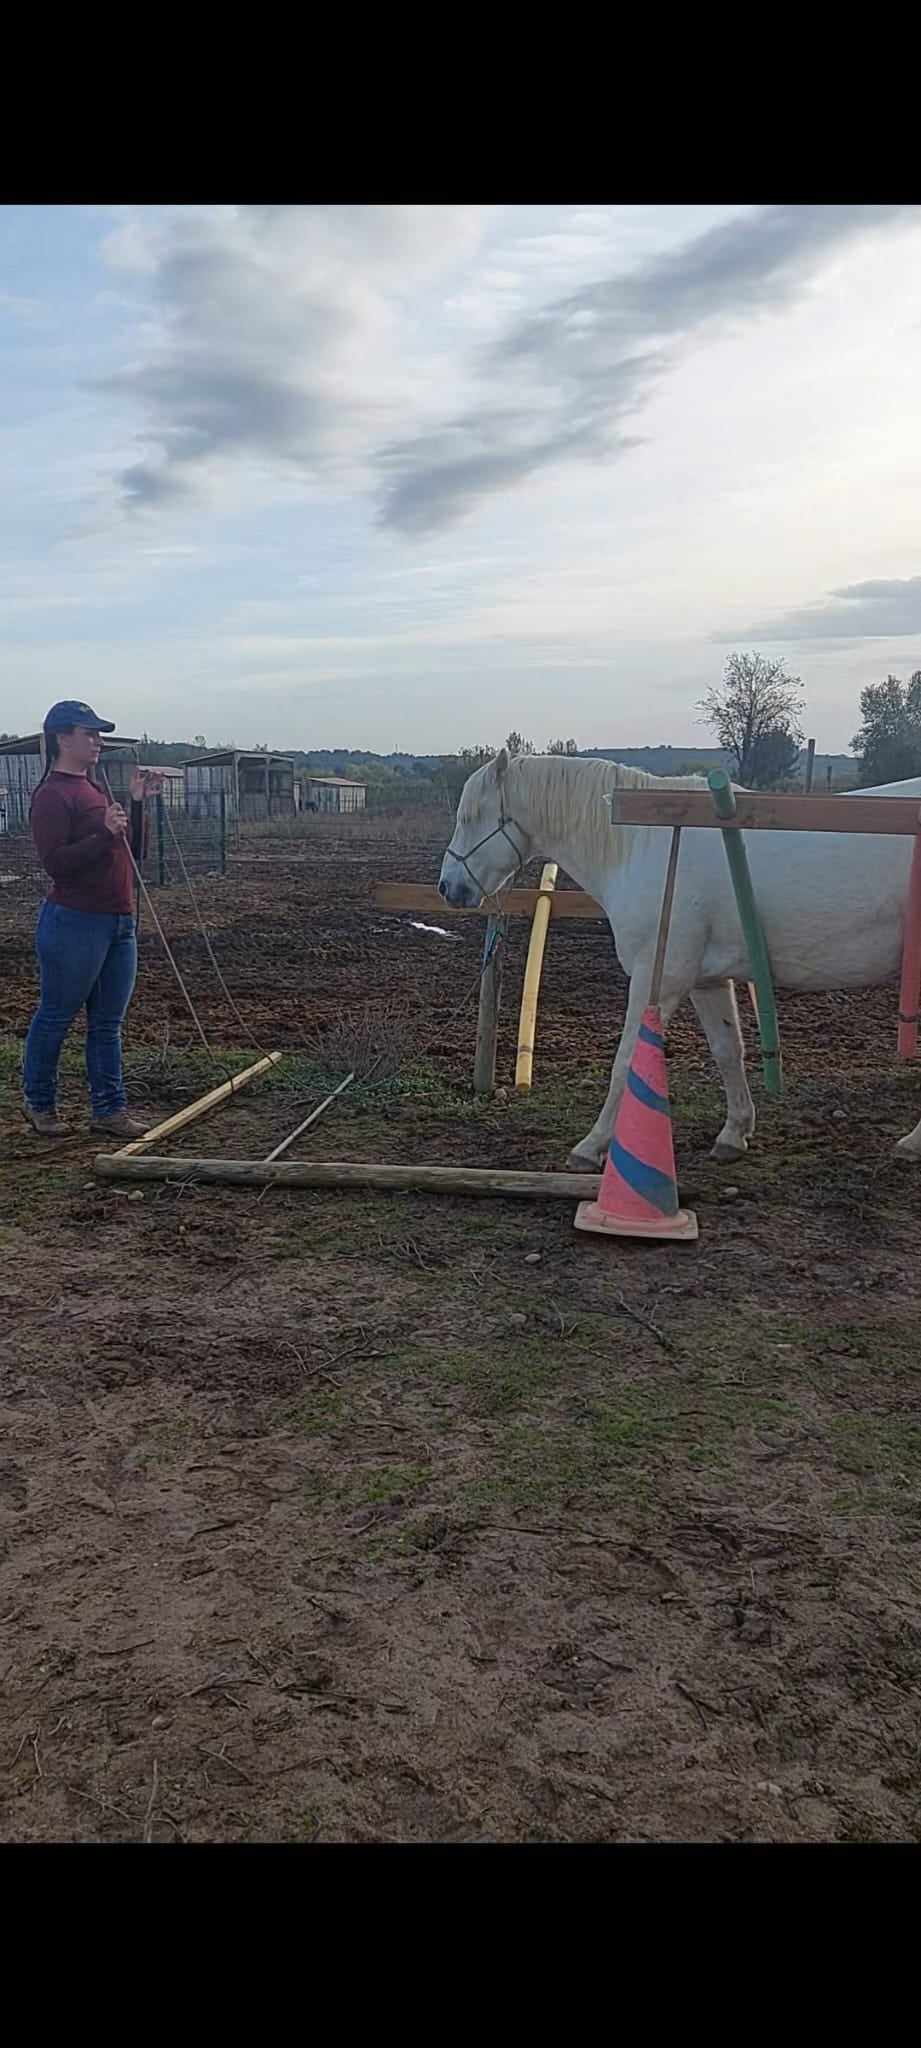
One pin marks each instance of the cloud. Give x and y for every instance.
(322, 341)
(589, 359)
(882, 608)
(281, 335)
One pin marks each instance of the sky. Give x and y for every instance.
(409, 477)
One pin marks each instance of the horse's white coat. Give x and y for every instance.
(832, 906)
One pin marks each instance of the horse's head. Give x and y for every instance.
(488, 845)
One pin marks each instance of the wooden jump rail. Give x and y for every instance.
(733, 812)
(349, 1173)
(423, 901)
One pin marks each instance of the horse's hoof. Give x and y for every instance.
(581, 1162)
(727, 1154)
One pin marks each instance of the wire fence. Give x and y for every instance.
(202, 843)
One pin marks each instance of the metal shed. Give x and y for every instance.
(22, 765)
(253, 785)
(332, 793)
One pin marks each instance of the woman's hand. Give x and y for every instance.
(115, 821)
(145, 782)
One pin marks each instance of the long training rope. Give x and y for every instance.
(244, 1027)
(497, 940)
(491, 950)
(148, 899)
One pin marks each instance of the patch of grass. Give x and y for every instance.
(887, 1448)
(614, 1448)
(10, 1064)
(392, 1483)
(318, 1413)
(507, 1375)
(365, 1486)
(166, 1446)
(38, 1193)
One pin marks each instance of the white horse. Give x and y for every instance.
(832, 906)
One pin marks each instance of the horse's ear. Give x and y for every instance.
(502, 762)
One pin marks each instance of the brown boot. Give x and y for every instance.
(46, 1122)
(121, 1124)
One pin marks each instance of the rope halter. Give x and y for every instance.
(505, 821)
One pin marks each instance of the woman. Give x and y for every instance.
(86, 938)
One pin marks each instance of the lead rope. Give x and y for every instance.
(145, 892)
(244, 1027)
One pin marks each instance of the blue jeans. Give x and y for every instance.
(84, 958)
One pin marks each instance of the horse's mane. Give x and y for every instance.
(564, 795)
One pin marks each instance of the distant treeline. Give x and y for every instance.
(362, 765)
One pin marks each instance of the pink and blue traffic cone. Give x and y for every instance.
(638, 1196)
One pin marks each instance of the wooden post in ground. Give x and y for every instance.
(665, 918)
(161, 851)
(724, 804)
(527, 1025)
(910, 985)
(810, 764)
(487, 1029)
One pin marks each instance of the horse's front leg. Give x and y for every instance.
(718, 1012)
(591, 1150)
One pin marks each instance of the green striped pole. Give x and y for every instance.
(725, 806)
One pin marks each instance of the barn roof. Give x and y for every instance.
(31, 743)
(336, 781)
(224, 756)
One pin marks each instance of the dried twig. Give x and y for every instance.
(221, 1758)
(149, 1815)
(696, 1703)
(222, 1678)
(645, 1322)
(106, 1806)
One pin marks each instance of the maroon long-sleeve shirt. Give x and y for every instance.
(89, 868)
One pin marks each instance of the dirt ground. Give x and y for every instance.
(358, 1517)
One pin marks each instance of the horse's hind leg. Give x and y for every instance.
(910, 1147)
(718, 1012)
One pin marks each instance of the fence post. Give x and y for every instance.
(911, 958)
(487, 1030)
(223, 831)
(724, 804)
(161, 850)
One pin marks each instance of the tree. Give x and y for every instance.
(456, 768)
(562, 747)
(755, 703)
(889, 740)
(775, 757)
(517, 745)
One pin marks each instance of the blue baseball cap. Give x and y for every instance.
(63, 717)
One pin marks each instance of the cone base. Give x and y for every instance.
(682, 1227)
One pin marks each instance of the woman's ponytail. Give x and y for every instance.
(52, 750)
